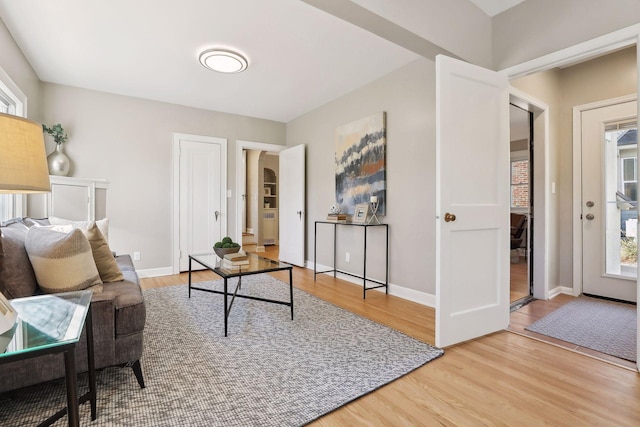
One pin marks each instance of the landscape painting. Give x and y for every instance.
(360, 163)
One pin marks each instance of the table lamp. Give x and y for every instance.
(23, 169)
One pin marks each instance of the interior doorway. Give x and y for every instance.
(260, 196)
(521, 203)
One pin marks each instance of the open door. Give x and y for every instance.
(472, 201)
(292, 205)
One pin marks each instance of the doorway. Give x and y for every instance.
(521, 203)
(291, 197)
(260, 195)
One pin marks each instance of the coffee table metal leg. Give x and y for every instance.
(226, 310)
(72, 387)
(189, 277)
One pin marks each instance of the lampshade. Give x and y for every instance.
(23, 161)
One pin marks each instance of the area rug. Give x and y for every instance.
(601, 325)
(269, 371)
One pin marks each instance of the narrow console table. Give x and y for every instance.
(364, 278)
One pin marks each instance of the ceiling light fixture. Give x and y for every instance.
(223, 61)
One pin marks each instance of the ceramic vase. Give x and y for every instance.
(59, 163)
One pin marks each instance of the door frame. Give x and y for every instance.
(247, 145)
(577, 181)
(540, 173)
(175, 189)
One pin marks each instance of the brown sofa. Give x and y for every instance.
(118, 315)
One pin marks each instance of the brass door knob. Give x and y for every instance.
(449, 217)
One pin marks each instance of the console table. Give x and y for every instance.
(364, 278)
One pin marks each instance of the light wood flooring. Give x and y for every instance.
(504, 379)
(519, 280)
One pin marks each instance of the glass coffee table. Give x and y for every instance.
(53, 324)
(257, 265)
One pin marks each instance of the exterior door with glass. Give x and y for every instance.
(610, 200)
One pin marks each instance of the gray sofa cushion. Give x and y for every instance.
(129, 302)
(17, 278)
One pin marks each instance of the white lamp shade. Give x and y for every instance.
(23, 161)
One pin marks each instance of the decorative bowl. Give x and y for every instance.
(221, 252)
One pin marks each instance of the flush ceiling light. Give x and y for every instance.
(223, 61)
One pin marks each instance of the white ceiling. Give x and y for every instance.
(300, 57)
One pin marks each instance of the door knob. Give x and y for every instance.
(217, 214)
(449, 217)
(589, 217)
(590, 204)
(299, 214)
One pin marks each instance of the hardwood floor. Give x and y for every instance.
(519, 280)
(504, 379)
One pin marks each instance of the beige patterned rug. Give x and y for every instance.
(269, 371)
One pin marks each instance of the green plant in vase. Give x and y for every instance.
(57, 132)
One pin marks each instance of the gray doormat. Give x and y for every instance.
(605, 326)
(269, 371)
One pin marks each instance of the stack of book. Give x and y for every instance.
(235, 260)
(339, 217)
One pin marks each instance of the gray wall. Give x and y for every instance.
(537, 27)
(129, 142)
(407, 96)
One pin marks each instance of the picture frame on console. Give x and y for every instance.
(360, 213)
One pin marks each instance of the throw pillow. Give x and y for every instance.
(17, 278)
(103, 224)
(102, 255)
(62, 262)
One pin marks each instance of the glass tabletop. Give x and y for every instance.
(46, 321)
(257, 264)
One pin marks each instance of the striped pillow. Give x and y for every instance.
(62, 261)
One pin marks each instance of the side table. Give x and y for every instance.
(53, 324)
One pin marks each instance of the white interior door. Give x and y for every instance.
(610, 200)
(472, 201)
(292, 205)
(202, 205)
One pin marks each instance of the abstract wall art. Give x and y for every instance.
(360, 163)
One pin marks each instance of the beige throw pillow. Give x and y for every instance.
(103, 224)
(62, 262)
(102, 255)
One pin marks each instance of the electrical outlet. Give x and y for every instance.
(136, 256)
(347, 257)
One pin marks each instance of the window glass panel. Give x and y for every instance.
(519, 183)
(629, 169)
(631, 190)
(621, 192)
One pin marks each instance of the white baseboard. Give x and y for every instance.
(155, 272)
(560, 290)
(396, 290)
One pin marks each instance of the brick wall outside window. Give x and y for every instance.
(520, 184)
